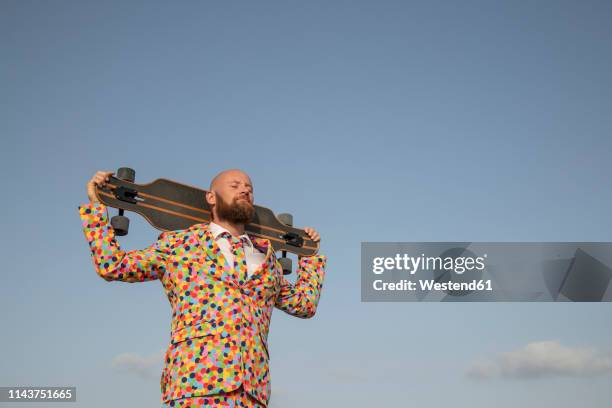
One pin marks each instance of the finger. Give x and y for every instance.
(312, 233)
(100, 181)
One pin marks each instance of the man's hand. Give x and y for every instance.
(313, 234)
(99, 179)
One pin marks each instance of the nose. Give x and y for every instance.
(244, 192)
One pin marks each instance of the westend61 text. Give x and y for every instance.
(412, 264)
(430, 284)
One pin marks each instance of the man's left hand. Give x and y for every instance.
(313, 234)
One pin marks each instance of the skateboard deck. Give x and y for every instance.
(168, 206)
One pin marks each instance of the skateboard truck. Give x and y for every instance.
(291, 239)
(121, 223)
(126, 194)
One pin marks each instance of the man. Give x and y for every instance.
(222, 285)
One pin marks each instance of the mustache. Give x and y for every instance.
(245, 197)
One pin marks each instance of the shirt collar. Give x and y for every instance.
(216, 230)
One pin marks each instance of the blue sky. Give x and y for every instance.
(371, 121)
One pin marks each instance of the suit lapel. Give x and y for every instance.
(211, 255)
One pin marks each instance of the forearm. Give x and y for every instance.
(302, 298)
(110, 261)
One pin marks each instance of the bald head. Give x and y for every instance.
(227, 176)
(230, 196)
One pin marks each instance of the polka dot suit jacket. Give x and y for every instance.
(219, 328)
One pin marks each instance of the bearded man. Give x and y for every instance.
(222, 285)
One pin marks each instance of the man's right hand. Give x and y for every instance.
(99, 179)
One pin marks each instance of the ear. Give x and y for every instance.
(211, 198)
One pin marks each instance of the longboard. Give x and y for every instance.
(168, 205)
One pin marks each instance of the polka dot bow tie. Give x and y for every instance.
(240, 264)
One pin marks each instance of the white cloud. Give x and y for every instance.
(147, 367)
(544, 359)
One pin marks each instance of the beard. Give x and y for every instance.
(238, 212)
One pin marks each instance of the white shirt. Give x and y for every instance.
(254, 257)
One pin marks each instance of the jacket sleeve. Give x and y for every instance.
(110, 261)
(301, 298)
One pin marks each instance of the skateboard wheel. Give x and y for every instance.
(286, 265)
(121, 225)
(286, 219)
(127, 174)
